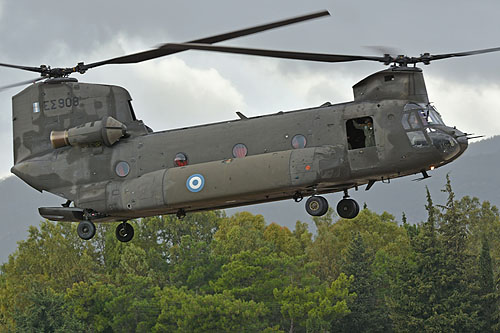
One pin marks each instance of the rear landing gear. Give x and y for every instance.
(316, 206)
(124, 232)
(86, 230)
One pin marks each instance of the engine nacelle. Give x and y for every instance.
(106, 131)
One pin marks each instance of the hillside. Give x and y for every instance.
(473, 174)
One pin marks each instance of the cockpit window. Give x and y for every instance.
(418, 121)
(406, 126)
(412, 106)
(412, 119)
(433, 117)
(426, 112)
(417, 139)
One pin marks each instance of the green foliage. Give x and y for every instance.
(212, 273)
(488, 298)
(445, 286)
(367, 309)
(184, 311)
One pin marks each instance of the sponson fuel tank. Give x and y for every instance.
(215, 183)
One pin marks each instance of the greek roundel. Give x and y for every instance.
(195, 183)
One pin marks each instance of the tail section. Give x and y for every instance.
(58, 105)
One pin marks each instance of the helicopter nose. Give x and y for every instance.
(447, 144)
(463, 141)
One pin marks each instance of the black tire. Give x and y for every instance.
(347, 208)
(86, 230)
(316, 206)
(124, 232)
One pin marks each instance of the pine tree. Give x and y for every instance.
(367, 312)
(488, 301)
(416, 300)
(458, 308)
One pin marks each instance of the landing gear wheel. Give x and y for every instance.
(124, 232)
(316, 206)
(348, 208)
(86, 230)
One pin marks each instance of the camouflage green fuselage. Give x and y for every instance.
(272, 169)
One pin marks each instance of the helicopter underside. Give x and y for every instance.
(292, 174)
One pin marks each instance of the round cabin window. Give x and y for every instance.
(299, 141)
(122, 169)
(240, 150)
(180, 160)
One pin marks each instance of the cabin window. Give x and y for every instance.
(180, 160)
(360, 133)
(417, 139)
(122, 169)
(299, 141)
(240, 150)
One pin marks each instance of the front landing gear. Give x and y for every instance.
(86, 229)
(316, 206)
(124, 232)
(347, 208)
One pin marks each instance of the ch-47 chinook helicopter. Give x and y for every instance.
(84, 143)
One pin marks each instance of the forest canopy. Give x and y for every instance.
(214, 273)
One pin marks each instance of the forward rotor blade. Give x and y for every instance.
(162, 51)
(321, 57)
(23, 83)
(432, 57)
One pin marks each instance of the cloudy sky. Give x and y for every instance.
(196, 87)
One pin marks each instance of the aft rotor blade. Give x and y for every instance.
(26, 68)
(21, 83)
(162, 51)
(321, 57)
(432, 57)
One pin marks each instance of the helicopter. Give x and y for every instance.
(84, 143)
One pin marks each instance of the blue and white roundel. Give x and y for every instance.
(195, 183)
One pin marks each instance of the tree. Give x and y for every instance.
(379, 232)
(184, 311)
(487, 292)
(458, 304)
(367, 312)
(315, 308)
(192, 264)
(240, 232)
(416, 298)
(89, 303)
(46, 312)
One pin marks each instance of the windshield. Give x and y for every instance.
(428, 113)
(430, 116)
